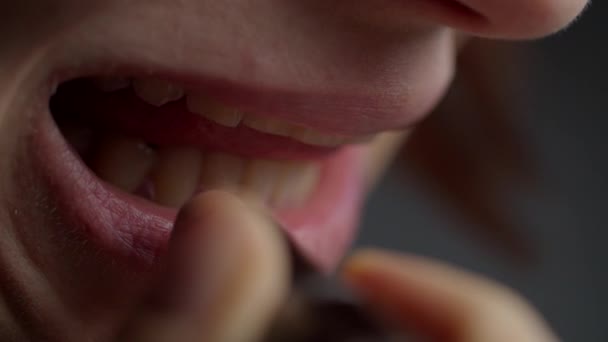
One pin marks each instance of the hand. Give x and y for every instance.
(226, 281)
(441, 303)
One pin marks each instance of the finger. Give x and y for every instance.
(440, 302)
(229, 274)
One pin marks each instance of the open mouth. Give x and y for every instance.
(128, 152)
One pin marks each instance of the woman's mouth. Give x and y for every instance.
(122, 154)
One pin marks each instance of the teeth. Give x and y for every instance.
(176, 175)
(123, 162)
(299, 133)
(269, 126)
(312, 137)
(170, 176)
(260, 178)
(222, 171)
(279, 183)
(232, 117)
(109, 84)
(157, 92)
(214, 111)
(296, 184)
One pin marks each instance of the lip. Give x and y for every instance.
(136, 231)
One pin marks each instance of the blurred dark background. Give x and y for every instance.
(562, 120)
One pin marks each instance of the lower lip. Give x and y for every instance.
(136, 231)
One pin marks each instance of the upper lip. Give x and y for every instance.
(393, 97)
(330, 111)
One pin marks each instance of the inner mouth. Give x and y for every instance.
(106, 121)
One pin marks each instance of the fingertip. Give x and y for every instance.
(358, 263)
(441, 301)
(366, 262)
(243, 272)
(208, 206)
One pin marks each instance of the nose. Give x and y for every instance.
(505, 19)
(519, 19)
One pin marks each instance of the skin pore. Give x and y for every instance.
(348, 68)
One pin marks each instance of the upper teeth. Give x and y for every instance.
(157, 92)
(231, 117)
(214, 111)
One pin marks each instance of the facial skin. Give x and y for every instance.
(349, 67)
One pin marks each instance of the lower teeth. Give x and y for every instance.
(171, 175)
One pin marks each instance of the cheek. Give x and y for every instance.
(35, 242)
